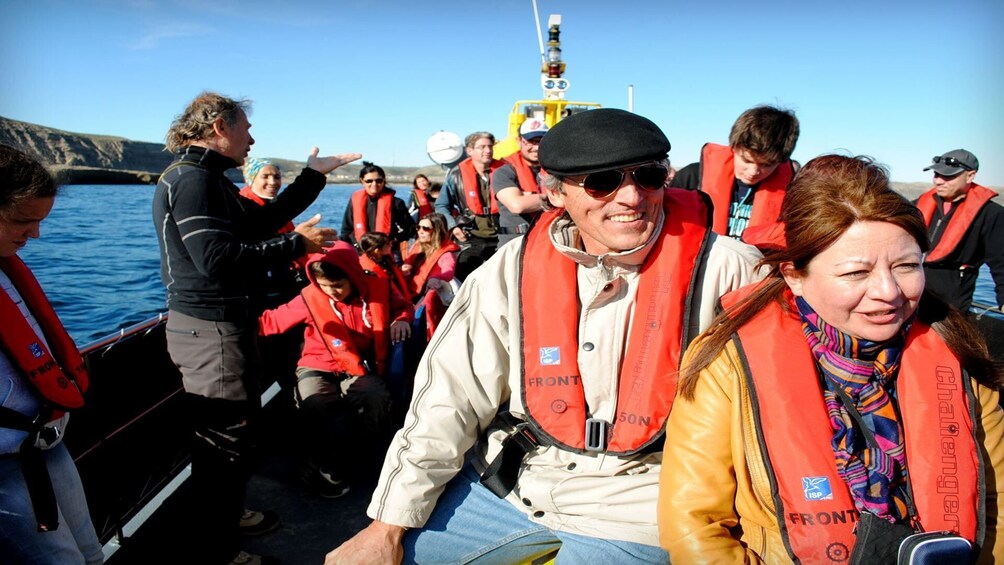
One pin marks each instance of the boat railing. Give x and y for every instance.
(113, 338)
(981, 309)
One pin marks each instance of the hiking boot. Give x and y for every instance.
(325, 484)
(254, 523)
(245, 558)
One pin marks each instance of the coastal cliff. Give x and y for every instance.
(83, 158)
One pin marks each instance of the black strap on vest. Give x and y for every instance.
(500, 476)
(36, 474)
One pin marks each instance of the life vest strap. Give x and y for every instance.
(500, 476)
(36, 474)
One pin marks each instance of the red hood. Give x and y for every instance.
(343, 256)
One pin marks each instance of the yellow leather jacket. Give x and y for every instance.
(715, 501)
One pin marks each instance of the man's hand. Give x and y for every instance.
(459, 234)
(378, 543)
(325, 165)
(400, 331)
(316, 238)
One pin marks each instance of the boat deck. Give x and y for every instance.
(311, 525)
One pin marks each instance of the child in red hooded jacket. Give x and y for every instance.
(352, 319)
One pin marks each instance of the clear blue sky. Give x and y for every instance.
(900, 80)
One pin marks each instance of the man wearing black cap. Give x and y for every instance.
(555, 368)
(966, 230)
(515, 183)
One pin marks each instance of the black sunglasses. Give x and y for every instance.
(605, 183)
(424, 228)
(371, 181)
(951, 162)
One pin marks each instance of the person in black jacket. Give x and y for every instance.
(966, 229)
(213, 243)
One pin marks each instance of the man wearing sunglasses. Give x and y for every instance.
(966, 230)
(515, 184)
(746, 179)
(556, 363)
(468, 204)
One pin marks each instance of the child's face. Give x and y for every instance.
(338, 290)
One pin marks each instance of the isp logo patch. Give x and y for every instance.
(336, 342)
(817, 488)
(550, 356)
(36, 350)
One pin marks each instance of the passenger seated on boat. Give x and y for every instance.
(430, 266)
(966, 227)
(837, 407)
(553, 370)
(420, 203)
(747, 178)
(377, 257)
(36, 527)
(376, 207)
(516, 186)
(283, 280)
(468, 203)
(352, 320)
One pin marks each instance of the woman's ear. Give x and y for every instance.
(792, 277)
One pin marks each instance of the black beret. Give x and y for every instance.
(601, 139)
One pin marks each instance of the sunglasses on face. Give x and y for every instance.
(604, 183)
(951, 162)
(371, 181)
(424, 228)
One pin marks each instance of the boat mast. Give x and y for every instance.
(540, 38)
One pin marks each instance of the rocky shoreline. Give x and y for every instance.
(78, 158)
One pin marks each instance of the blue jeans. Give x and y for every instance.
(472, 525)
(73, 542)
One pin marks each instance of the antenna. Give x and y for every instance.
(540, 38)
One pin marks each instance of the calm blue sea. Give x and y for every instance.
(98, 259)
(99, 264)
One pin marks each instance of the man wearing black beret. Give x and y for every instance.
(539, 405)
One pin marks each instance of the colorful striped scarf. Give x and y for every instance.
(875, 475)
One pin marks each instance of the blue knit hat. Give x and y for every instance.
(252, 166)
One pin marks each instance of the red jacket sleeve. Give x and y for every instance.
(401, 310)
(284, 317)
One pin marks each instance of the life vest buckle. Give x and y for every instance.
(596, 434)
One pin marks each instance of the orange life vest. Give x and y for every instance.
(524, 174)
(421, 265)
(246, 192)
(58, 372)
(360, 223)
(472, 188)
(394, 275)
(424, 207)
(552, 386)
(815, 511)
(962, 219)
(336, 336)
(718, 177)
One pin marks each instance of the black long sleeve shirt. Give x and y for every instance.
(214, 243)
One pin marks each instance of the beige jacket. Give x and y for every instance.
(472, 368)
(715, 504)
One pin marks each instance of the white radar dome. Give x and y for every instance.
(445, 147)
